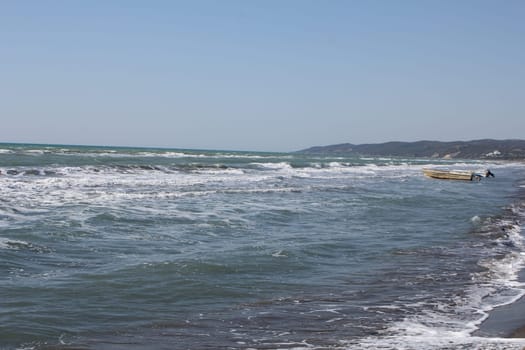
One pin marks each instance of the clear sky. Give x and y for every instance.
(274, 75)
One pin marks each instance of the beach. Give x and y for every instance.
(506, 321)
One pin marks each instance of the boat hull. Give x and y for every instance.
(449, 174)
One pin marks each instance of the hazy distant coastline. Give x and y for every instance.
(475, 149)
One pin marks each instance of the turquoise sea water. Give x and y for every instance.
(128, 248)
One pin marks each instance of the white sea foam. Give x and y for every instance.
(274, 166)
(416, 336)
(208, 197)
(87, 184)
(165, 154)
(6, 243)
(476, 220)
(112, 185)
(279, 254)
(34, 152)
(451, 327)
(218, 171)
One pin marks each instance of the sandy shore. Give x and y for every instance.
(518, 333)
(506, 321)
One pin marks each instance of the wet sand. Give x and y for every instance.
(518, 333)
(506, 321)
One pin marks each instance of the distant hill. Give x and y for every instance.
(476, 149)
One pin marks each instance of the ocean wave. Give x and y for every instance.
(247, 169)
(119, 152)
(14, 244)
(273, 166)
(452, 324)
(6, 243)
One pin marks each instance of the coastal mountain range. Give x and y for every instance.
(475, 149)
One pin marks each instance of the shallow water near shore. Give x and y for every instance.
(126, 248)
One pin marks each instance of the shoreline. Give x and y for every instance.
(518, 333)
(506, 321)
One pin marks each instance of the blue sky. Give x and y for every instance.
(260, 74)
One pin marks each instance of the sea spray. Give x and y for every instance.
(156, 248)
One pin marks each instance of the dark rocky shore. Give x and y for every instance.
(477, 149)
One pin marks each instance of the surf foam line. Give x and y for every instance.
(452, 326)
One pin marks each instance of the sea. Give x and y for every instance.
(142, 248)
